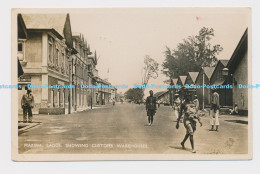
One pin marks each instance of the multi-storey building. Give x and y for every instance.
(45, 59)
(80, 72)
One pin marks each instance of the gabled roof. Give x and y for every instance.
(174, 81)
(209, 71)
(224, 62)
(22, 31)
(239, 52)
(45, 21)
(182, 79)
(59, 24)
(193, 75)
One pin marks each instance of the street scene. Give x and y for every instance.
(123, 129)
(128, 81)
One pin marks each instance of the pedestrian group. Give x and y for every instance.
(188, 114)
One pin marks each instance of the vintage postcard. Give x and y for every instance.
(131, 84)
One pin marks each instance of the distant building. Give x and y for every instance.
(104, 92)
(225, 94)
(92, 97)
(163, 97)
(203, 78)
(114, 94)
(238, 69)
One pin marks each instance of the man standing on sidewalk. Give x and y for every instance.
(150, 107)
(214, 110)
(27, 103)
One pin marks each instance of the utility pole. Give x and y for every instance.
(91, 99)
(70, 89)
(203, 90)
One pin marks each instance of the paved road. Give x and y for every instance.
(123, 129)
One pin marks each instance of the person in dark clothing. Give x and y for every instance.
(150, 107)
(189, 122)
(27, 103)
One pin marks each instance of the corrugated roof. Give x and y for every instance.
(160, 93)
(193, 75)
(45, 21)
(209, 71)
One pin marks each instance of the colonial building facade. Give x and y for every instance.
(45, 61)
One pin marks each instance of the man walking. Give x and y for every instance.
(27, 103)
(150, 107)
(214, 111)
(189, 123)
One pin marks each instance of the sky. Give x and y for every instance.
(123, 36)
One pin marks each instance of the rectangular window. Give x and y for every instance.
(56, 56)
(50, 49)
(20, 47)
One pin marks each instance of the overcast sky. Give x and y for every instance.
(123, 36)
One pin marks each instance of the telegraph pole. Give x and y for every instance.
(203, 91)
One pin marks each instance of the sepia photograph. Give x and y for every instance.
(168, 83)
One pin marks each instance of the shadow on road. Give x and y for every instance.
(180, 148)
(238, 121)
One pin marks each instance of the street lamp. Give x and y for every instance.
(225, 72)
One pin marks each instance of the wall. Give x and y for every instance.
(240, 95)
(199, 91)
(33, 50)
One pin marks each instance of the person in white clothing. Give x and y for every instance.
(214, 111)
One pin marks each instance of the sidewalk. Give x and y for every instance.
(228, 117)
(37, 118)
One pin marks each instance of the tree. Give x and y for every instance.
(192, 54)
(150, 69)
(134, 94)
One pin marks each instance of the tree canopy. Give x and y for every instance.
(150, 69)
(192, 54)
(134, 94)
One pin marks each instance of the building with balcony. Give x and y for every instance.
(45, 58)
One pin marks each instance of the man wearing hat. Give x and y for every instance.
(214, 110)
(150, 107)
(27, 103)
